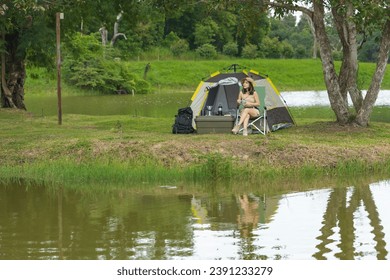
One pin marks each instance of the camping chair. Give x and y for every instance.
(259, 123)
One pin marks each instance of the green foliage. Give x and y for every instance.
(369, 50)
(207, 51)
(270, 48)
(230, 49)
(287, 50)
(179, 47)
(337, 55)
(217, 167)
(206, 32)
(170, 39)
(249, 51)
(88, 65)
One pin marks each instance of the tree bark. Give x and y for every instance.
(313, 32)
(336, 99)
(116, 28)
(13, 74)
(364, 113)
(346, 83)
(104, 34)
(347, 32)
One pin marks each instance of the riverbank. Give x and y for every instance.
(126, 150)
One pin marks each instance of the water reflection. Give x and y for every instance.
(337, 223)
(352, 215)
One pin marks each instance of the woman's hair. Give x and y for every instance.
(250, 89)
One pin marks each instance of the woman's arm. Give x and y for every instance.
(239, 98)
(254, 104)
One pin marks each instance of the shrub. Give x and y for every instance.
(300, 51)
(170, 39)
(230, 49)
(89, 65)
(207, 51)
(179, 47)
(270, 48)
(249, 51)
(287, 50)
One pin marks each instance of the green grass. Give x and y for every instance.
(176, 75)
(128, 150)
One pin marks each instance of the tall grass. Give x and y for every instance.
(215, 169)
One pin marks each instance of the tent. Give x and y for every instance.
(221, 89)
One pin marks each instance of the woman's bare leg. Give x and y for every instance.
(246, 114)
(246, 121)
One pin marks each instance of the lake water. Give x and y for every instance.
(157, 105)
(320, 98)
(168, 222)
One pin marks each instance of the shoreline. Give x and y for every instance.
(120, 150)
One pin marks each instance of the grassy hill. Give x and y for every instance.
(178, 75)
(286, 74)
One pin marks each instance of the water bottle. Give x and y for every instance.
(220, 110)
(209, 108)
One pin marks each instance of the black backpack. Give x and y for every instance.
(183, 122)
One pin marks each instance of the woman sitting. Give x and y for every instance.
(248, 101)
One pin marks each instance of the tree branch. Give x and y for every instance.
(289, 7)
(113, 40)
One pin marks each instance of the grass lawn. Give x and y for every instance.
(128, 149)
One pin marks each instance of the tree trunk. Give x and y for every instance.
(337, 101)
(13, 74)
(313, 32)
(364, 113)
(116, 29)
(346, 30)
(104, 34)
(339, 87)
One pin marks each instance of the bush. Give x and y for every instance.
(89, 65)
(270, 48)
(287, 50)
(170, 39)
(300, 51)
(179, 47)
(230, 49)
(207, 51)
(249, 51)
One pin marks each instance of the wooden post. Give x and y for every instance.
(59, 16)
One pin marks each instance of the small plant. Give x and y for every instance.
(217, 167)
(230, 49)
(179, 47)
(249, 51)
(207, 51)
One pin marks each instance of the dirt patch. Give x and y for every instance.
(172, 152)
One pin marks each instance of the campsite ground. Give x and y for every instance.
(123, 149)
(118, 149)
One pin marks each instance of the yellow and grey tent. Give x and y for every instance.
(221, 89)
